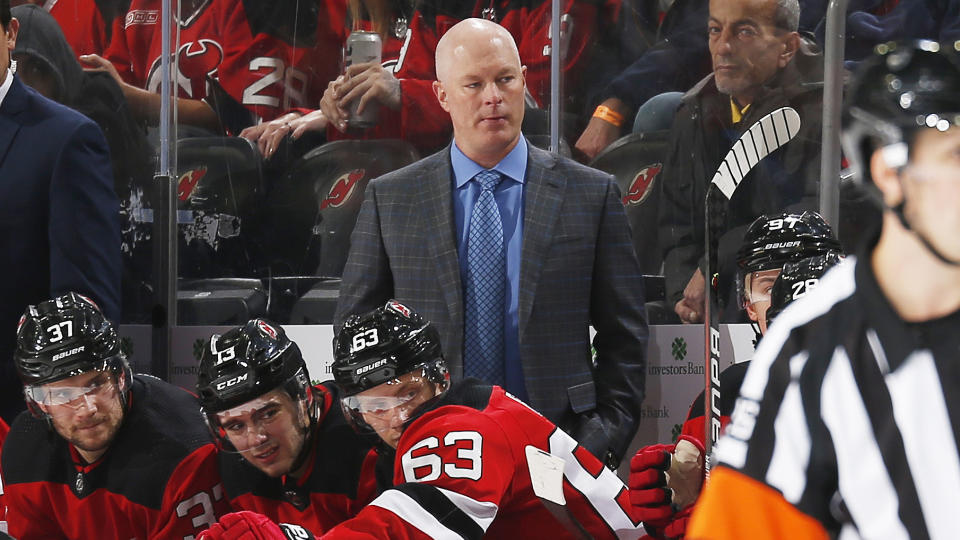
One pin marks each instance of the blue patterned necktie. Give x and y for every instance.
(485, 287)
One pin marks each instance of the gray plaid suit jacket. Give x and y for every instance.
(577, 268)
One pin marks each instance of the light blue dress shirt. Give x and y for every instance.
(509, 196)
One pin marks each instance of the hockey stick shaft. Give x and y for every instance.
(762, 138)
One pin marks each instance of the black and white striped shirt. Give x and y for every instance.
(853, 415)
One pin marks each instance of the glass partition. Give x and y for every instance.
(270, 171)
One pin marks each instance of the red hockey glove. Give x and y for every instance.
(649, 495)
(247, 525)
(677, 527)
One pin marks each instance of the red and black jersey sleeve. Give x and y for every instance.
(730, 381)
(461, 469)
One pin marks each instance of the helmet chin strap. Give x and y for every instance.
(898, 210)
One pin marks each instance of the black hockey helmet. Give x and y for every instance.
(900, 89)
(384, 344)
(773, 240)
(797, 279)
(379, 347)
(62, 338)
(245, 363)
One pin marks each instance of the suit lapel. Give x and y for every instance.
(544, 197)
(437, 196)
(13, 103)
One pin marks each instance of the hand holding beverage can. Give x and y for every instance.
(362, 47)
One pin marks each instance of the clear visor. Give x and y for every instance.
(758, 285)
(388, 407)
(255, 423)
(72, 396)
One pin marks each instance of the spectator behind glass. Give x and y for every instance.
(269, 57)
(59, 222)
(761, 64)
(408, 109)
(675, 62)
(46, 63)
(870, 22)
(87, 24)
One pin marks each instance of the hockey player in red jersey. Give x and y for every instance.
(269, 57)
(286, 450)
(468, 459)
(101, 453)
(770, 243)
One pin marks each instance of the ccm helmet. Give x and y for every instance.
(797, 279)
(247, 362)
(902, 88)
(380, 346)
(65, 337)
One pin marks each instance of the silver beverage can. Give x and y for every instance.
(362, 47)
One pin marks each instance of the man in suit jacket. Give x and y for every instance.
(59, 215)
(569, 262)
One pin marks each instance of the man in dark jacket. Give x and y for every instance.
(760, 64)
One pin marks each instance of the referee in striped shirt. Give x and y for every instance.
(848, 421)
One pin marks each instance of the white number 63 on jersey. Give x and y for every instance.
(434, 465)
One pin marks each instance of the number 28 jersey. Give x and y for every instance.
(159, 479)
(462, 468)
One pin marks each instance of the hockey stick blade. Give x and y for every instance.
(762, 138)
(766, 135)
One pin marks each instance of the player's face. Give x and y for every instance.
(85, 410)
(269, 431)
(483, 92)
(387, 407)
(746, 48)
(758, 286)
(931, 186)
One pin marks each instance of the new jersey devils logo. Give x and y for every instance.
(188, 181)
(399, 308)
(639, 186)
(342, 189)
(195, 60)
(267, 329)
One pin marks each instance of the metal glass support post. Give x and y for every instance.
(555, 89)
(832, 107)
(164, 312)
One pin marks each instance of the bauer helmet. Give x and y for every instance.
(773, 240)
(62, 338)
(380, 347)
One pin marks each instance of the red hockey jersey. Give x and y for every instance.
(338, 482)
(253, 49)
(82, 25)
(159, 478)
(462, 468)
